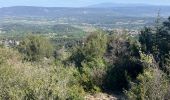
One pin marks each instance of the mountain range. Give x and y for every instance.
(112, 5)
(104, 9)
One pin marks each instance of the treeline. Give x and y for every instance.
(138, 69)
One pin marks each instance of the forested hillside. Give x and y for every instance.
(126, 66)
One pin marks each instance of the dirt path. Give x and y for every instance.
(101, 96)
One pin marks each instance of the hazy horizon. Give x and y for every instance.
(76, 3)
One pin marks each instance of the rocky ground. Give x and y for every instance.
(103, 96)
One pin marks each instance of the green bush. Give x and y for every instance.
(25, 81)
(120, 76)
(152, 85)
(90, 62)
(124, 60)
(34, 48)
(92, 75)
(93, 47)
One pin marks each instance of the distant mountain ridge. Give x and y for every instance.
(111, 5)
(62, 12)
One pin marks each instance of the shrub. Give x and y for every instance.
(152, 85)
(89, 60)
(120, 76)
(93, 48)
(92, 75)
(124, 59)
(25, 81)
(35, 48)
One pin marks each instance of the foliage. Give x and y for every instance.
(93, 47)
(89, 60)
(112, 62)
(152, 85)
(156, 41)
(39, 81)
(92, 75)
(35, 48)
(125, 65)
(146, 40)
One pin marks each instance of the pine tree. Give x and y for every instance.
(156, 37)
(146, 40)
(164, 45)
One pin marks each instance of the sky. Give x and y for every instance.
(75, 3)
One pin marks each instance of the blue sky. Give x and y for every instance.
(74, 3)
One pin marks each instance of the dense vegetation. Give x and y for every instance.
(138, 69)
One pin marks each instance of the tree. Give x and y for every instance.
(152, 85)
(94, 47)
(88, 58)
(125, 65)
(164, 46)
(157, 42)
(35, 48)
(146, 40)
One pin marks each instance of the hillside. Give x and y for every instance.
(105, 66)
(105, 51)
